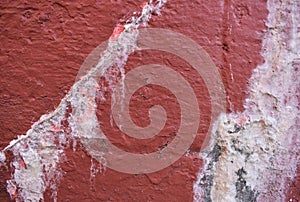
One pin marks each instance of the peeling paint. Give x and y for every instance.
(37, 154)
(259, 148)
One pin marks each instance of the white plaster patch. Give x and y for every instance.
(252, 154)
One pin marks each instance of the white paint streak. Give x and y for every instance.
(38, 153)
(263, 140)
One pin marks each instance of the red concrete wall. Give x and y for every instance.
(44, 43)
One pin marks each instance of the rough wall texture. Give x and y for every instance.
(253, 155)
(43, 45)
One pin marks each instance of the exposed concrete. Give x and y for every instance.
(260, 147)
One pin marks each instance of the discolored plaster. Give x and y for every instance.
(260, 146)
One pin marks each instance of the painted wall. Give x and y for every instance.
(43, 45)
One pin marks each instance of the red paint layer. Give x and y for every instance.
(43, 44)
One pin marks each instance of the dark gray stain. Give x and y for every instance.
(207, 181)
(235, 144)
(236, 129)
(244, 193)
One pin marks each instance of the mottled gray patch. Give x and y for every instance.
(207, 181)
(236, 145)
(236, 129)
(244, 193)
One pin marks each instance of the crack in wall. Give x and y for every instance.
(37, 154)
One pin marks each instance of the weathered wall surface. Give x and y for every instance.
(43, 45)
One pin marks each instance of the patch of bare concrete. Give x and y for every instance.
(253, 154)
